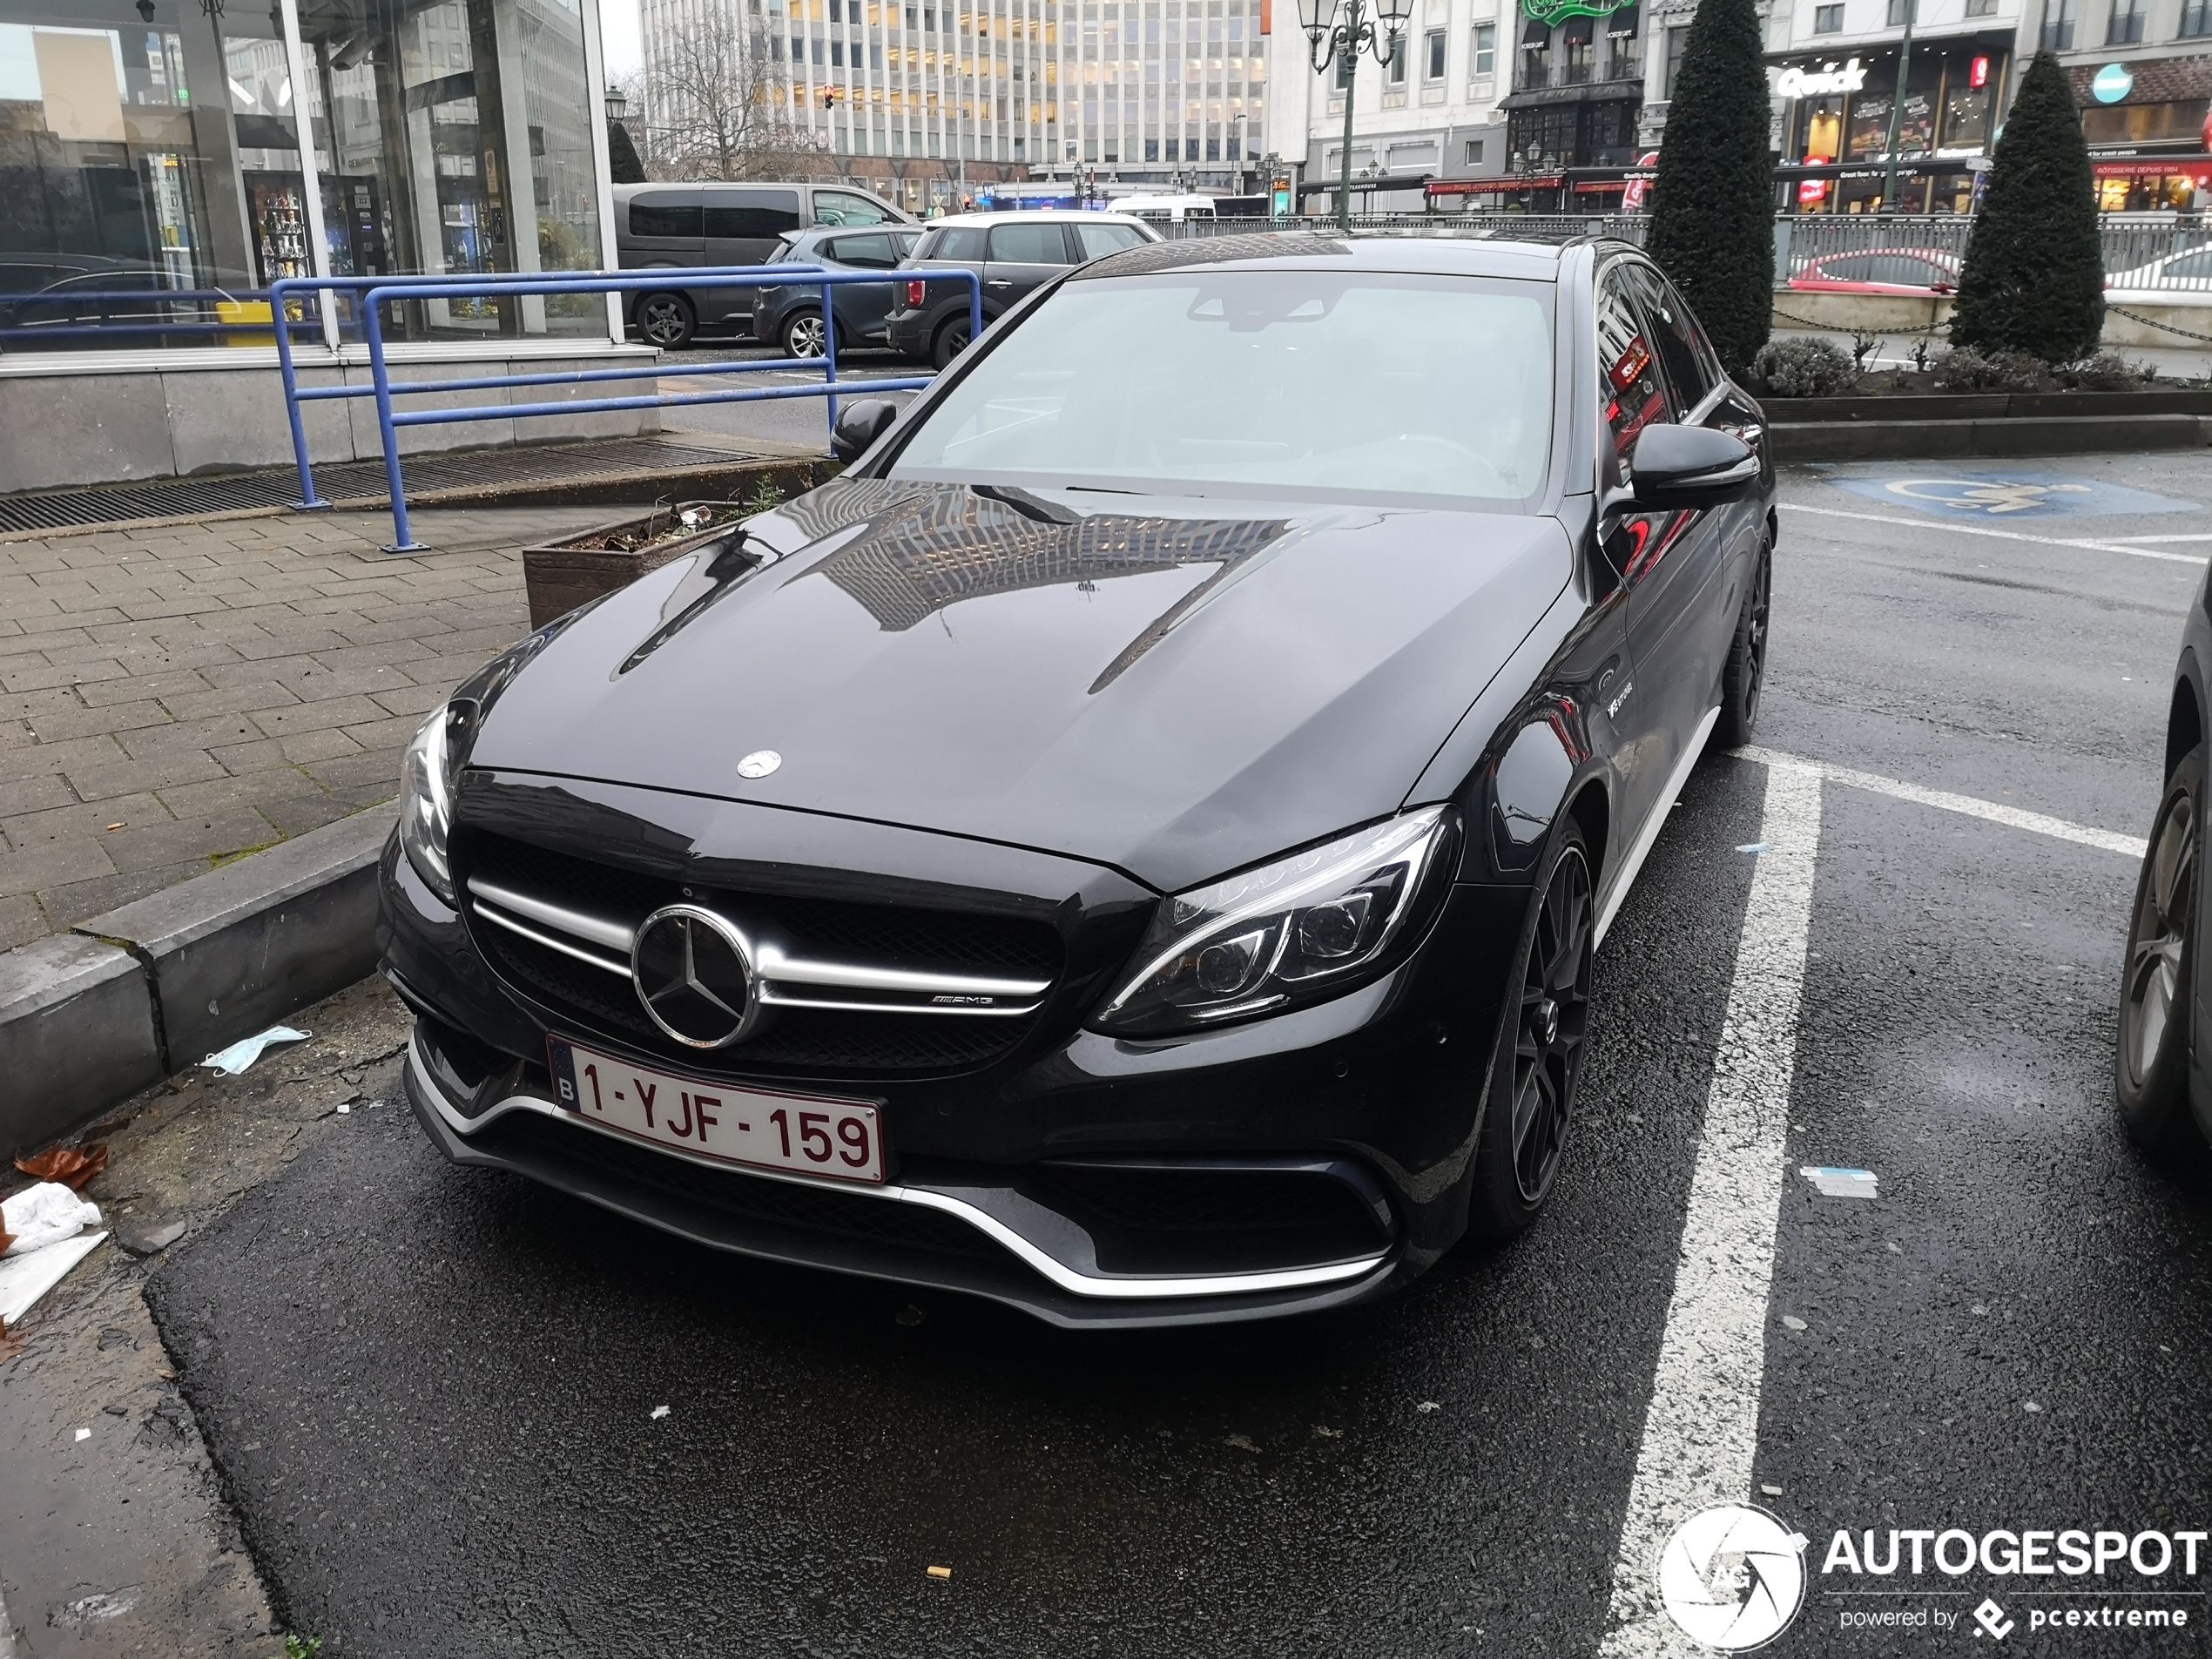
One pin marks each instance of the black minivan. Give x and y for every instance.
(671, 226)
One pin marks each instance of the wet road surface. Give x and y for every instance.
(435, 1394)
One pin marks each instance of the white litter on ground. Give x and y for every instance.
(246, 1050)
(658, 1413)
(24, 1279)
(1841, 1184)
(1754, 846)
(84, 1433)
(46, 1214)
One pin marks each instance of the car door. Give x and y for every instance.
(1678, 574)
(1023, 257)
(849, 209)
(862, 306)
(1632, 396)
(745, 224)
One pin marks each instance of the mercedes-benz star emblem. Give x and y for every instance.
(693, 971)
(759, 763)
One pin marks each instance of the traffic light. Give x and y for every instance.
(831, 94)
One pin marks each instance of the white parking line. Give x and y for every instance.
(2002, 535)
(1701, 1430)
(1972, 807)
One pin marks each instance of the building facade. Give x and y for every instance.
(931, 103)
(2142, 74)
(1833, 68)
(1425, 120)
(165, 160)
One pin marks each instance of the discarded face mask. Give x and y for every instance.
(46, 1214)
(243, 1053)
(1842, 1183)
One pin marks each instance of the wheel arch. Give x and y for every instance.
(1592, 811)
(2184, 716)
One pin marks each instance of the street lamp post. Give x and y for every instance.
(1342, 29)
(1896, 107)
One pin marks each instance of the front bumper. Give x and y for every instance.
(1379, 1090)
(942, 1226)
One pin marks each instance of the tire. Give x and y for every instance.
(951, 341)
(2151, 1070)
(666, 321)
(803, 334)
(1745, 676)
(1536, 1068)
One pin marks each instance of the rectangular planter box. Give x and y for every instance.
(560, 576)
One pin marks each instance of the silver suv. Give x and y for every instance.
(673, 226)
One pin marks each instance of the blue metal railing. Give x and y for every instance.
(282, 291)
(375, 294)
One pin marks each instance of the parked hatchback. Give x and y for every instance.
(672, 227)
(792, 317)
(1015, 253)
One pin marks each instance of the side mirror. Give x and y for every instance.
(1676, 468)
(860, 425)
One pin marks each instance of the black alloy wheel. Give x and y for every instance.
(1538, 1068)
(1746, 675)
(666, 321)
(805, 335)
(2153, 1064)
(952, 340)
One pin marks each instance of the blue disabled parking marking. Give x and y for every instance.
(1942, 493)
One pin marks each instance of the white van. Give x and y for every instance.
(1165, 210)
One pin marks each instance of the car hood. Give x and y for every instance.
(1174, 688)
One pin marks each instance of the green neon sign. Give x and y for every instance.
(1552, 13)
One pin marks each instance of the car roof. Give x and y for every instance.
(1016, 215)
(1444, 256)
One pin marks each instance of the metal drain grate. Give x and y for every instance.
(356, 483)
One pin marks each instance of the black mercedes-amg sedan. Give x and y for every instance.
(1132, 847)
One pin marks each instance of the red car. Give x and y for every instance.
(1915, 271)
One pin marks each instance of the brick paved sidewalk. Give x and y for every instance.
(170, 697)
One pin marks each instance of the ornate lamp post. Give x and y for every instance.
(1342, 29)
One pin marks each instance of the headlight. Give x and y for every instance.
(426, 796)
(1296, 930)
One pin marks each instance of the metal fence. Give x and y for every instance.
(384, 388)
(2170, 256)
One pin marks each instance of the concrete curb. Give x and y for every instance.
(90, 1017)
(2010, 435)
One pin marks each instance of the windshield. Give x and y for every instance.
(1320, 383)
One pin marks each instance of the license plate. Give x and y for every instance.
(754, 1129)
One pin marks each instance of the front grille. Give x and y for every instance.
(780, 1204)
(794, 1041)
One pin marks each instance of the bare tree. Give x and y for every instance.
(721, 104)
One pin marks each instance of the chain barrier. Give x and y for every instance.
(2153, 322)
(1831, 328)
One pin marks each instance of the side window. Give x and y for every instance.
(963, 242)
(667, 213)
(1675, 336)
(1100, 239)
(841, 207)
(871, 253)
(1629, 392)
(1035, 243)
(752, 213)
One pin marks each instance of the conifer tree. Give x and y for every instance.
(2035, 275)
(1712, 204)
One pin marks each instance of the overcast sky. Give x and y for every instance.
(618, 38)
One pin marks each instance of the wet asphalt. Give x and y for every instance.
(435, 1394)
